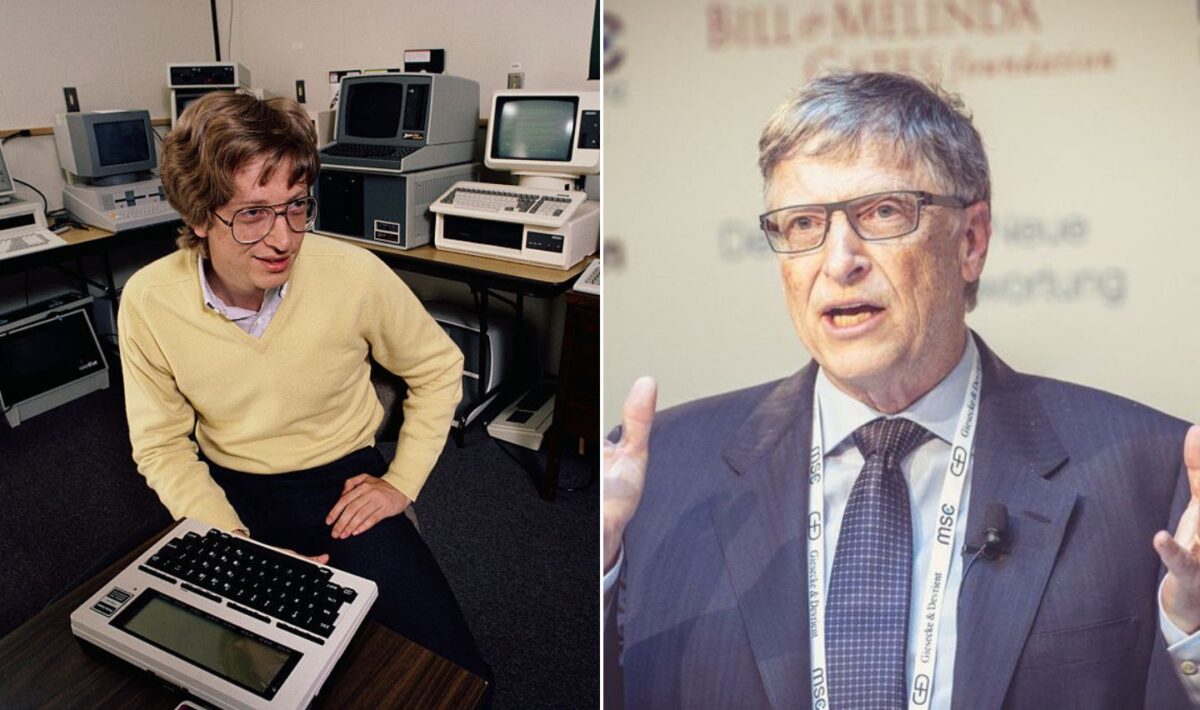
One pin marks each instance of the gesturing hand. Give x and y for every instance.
(365, 501)
(1181, 553)
(623, 465)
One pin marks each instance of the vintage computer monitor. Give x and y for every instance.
(23, 225)
(189, 82)
(6, 181)
(404, 122)
(108, 158)
(106, 147)
(401, 140)
(544, 137)
(548, 140)
(49, 355)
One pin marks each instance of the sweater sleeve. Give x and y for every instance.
(161, 421)
(406, 340)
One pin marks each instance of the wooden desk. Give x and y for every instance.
(87, 241)
(499, 274)
(577, 403)
(481, 273)
(45, 666)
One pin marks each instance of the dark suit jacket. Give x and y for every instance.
(711, 607)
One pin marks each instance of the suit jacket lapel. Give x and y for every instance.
(760, 522)
(1016, 453)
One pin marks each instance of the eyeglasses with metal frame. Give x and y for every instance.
(799, 229)
(251, 225)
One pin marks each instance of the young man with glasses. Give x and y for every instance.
(256, 339)
(906, 521)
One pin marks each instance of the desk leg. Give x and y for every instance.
(480, 384)
(519, 332)
(83, 282)
(111, 294)
(108, 274)
(548, 482)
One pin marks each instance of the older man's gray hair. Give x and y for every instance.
(835, 116)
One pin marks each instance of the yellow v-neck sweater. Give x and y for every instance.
(299, 396)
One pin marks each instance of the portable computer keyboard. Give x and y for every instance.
(254, 580)
(362, 150)
(589, 280)
(22, 242)
(509, 203)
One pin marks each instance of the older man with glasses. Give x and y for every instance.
(246, 361)
(906, 521)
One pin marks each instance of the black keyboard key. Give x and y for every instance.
(155, 573)
(247, 612)
(259, 580)
(302, 634)
(201, 592)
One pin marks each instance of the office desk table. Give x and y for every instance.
(482, 273)
(45, 666)
(88, 241)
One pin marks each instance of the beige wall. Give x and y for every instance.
(114, 52)
(1088, 113)
(285, 40)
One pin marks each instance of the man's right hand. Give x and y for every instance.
(623, 466)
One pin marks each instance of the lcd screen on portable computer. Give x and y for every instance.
(121, 142)
(237, 655)
(535, 129)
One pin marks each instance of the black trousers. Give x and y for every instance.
(289, 509)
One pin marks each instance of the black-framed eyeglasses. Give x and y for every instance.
(883, 215)
(251, 225)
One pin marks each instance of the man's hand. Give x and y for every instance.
(623, 465)
(1181, 554)
(365, 501)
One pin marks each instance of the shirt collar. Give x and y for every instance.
(938, 410)
(213, 301)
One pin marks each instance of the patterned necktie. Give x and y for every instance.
(867, 617)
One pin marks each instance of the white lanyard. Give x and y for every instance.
(961, 452)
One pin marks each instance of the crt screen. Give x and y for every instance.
(535, 129)
(372, 110)
(47, 355)
(121, 142)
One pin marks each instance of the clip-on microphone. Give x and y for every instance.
(993, 534)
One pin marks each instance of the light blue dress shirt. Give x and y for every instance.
(924, 470)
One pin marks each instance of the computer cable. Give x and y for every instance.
(23, 133)
(45, 202)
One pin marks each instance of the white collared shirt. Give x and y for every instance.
(254, 323)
